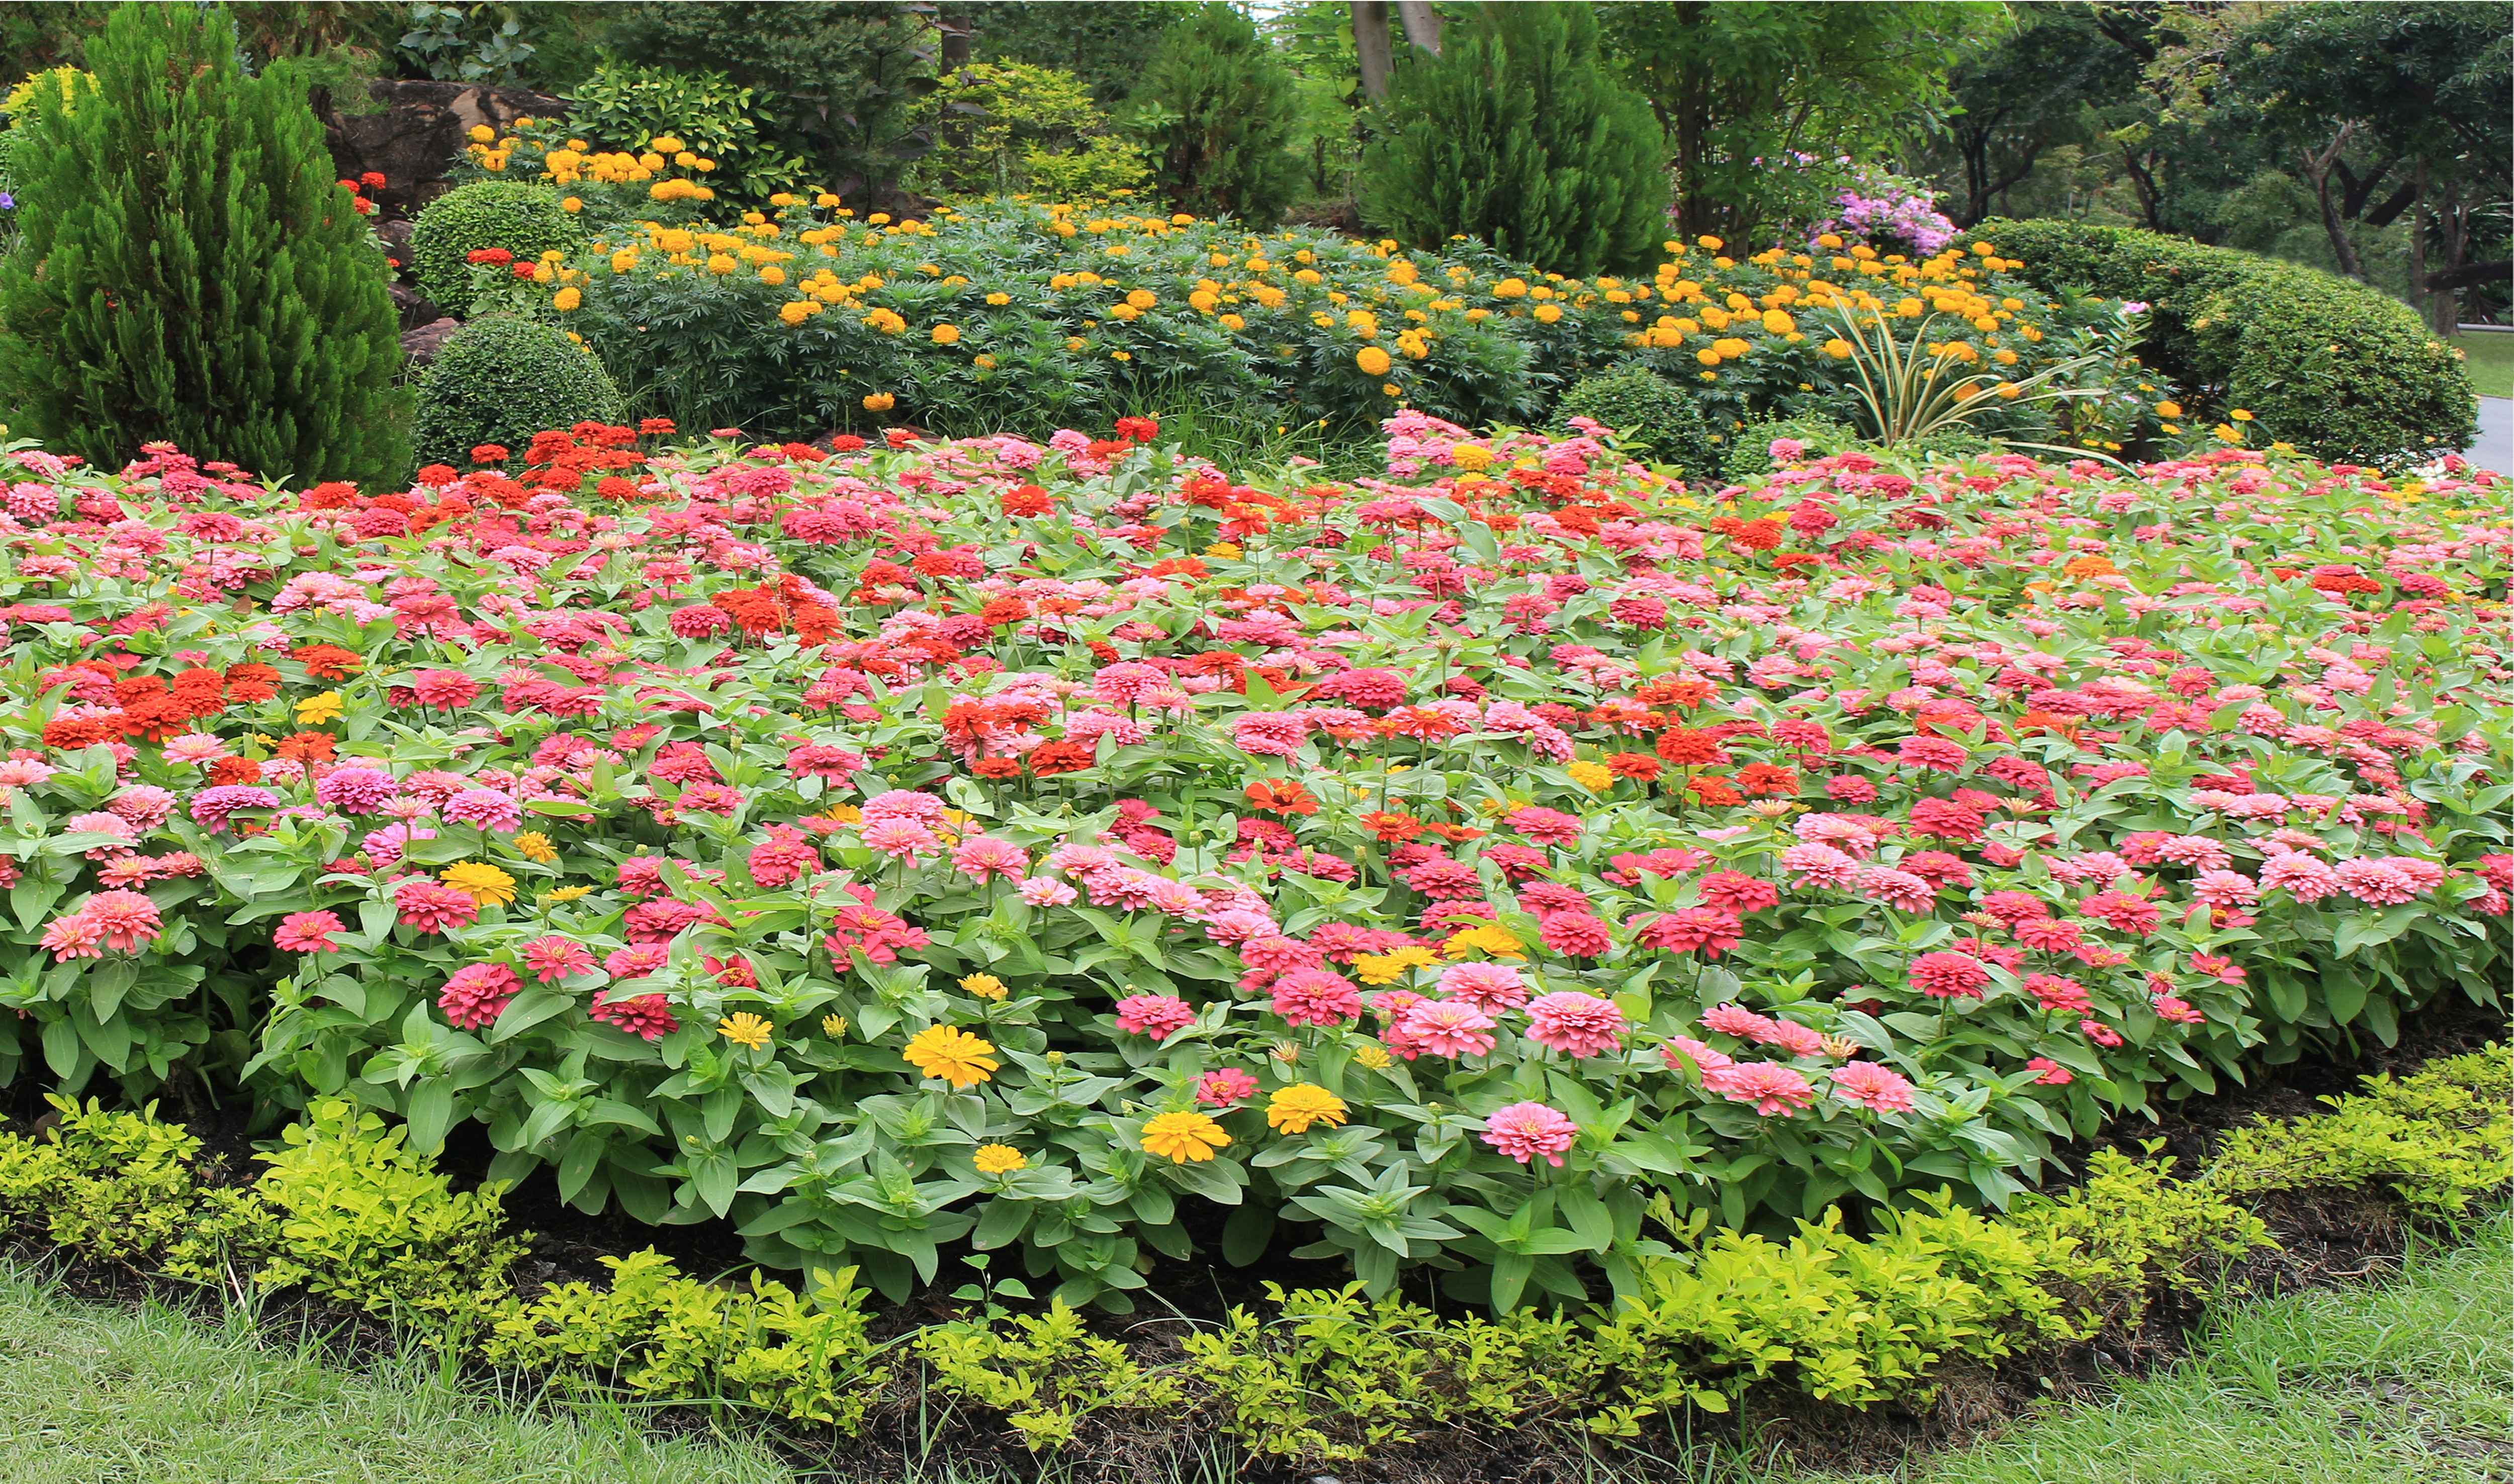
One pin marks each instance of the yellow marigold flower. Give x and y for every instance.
(482, 134)
(558, 896)
(1293, 1109)
(2227, 432)
(999, 1159)
(1707, 357)
(2240, 415)
(1708, 241)
(535, 847)
(314, 711)
(879, 402)
(1183, 1138)
(1510, 288)
(1547, 314)
(1590, 776)
(944, 334)
(667, 143)
(742, 1028)
(772, 275)
(2169, 409)
(482, 882)
(566, 298)
(1373, 361)
(1142, 299)
(572, 204)
(1777, 323)
(985, 987)
(952, 1055)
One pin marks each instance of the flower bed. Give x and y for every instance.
(1068, 850)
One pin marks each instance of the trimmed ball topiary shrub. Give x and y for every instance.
(1749, 451)
(526, 221)
(1658, 422)
(503, 378)
(2338, 368)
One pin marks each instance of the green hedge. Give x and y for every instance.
(2342, 370)
(349, 1213)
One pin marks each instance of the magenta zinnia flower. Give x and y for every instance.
(307, 933)
(127, 920)
(475, 993)
(1159, 1015)
(1768, 1085)
(1490, 987)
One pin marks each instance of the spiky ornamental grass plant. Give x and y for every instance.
(193, 272)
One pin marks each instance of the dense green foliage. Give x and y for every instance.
(625, 105)
(1658, 421)
(1518, 135)
(1221, 110)
(349, 1213)
(500, 380)
(523, 219)
(2340, 370)
(189, 272)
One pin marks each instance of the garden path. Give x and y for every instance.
(2494, 449)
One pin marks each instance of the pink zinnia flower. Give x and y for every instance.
(1819, 865)
(648, 1017)
(899, 836)
(1159, 1015)
(432, 908)
(1447, 1028)
(1768, 1085)
(1949, 976)
(2048, 935)
(2180, 1011)
(357, 791)
(978, 858)
(1316, 997)
(1736, 1021)
(1225, 1086)
(73, 937)
(2057, 994)
(552, 958)
(2218, 888)
(307, 933)
(194, 747)
(1546, 826)
(211, 807)
(485, 807)
(475, 993)
(1575, 935)
(1490, 987)
(1737, 892)
(1047, 891)
(1702, 1058)
(127, 920)
(2377, 883)
(2100, 1032)
(636, 962)
(1790, 1036)
(1879, 1089)
(2303, 877)
(1706, 931)
(1575, 1024)
(1523, 1131)
(2053, 1074)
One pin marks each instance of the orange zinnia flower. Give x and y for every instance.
(1285, 796)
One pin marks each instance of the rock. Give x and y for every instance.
(396, 241)
(420, 347)
(420, 133)
(415, 307)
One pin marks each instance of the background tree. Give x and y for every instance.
(2052, 81)
(191, 271)
(837, 84)
(1107, 44)
(2387, 106)
(1221, 112)
(1517, 134)
(1742, 86)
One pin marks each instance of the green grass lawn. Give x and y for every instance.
(2409, 1380)
(2492, 360)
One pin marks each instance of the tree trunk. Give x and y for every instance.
(1422, 24)
(1370, 46)
(960, 41)
(2318, 170)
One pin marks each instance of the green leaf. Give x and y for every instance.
(430, 1113)
(1245, 1236)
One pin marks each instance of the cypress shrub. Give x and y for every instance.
(1517, 134)
(2342, 370)
(1229, 112)
(192, 270)
(525, 220)
(502, 378)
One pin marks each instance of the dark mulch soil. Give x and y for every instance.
(2323, 1237)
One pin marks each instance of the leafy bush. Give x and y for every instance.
(2336, 367)
(1219, 110)
(2438, 1139)
(1025, 317)
(1520, 135)
(1749, 450)
(1045, 1372)
(189, 272)
(500, 380)
(631, 105)
(112, 1185)
(524, 219)
(1007, 128)
(1656, 421)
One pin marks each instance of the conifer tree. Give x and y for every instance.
(1517, 134)
(1228, 109)
(193, 272)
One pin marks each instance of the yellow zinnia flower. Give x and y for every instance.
(1293, 1109)
(985, 987)
(742, 1028)
(952, 1056)
(1590, 776)
(482, 882)
(1183, 1138)
(535, 847)
(999, 1159)
(558, 896)
(316, 710)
